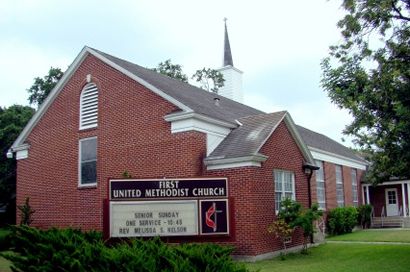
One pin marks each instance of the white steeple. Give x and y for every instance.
(233, 77)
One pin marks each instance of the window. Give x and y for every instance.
(89, 106)
(354, 188)
(339, 187)
(284, 187)
(320, 186)
(88, 162)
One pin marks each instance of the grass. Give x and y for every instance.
(342, 257)
(399, 235)
(4, 264)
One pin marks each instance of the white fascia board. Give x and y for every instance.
(233, 165)
(298, 139)
(22, 154)
(399, 182)
(193, 121)
(187, 115)
(223, 163)
(49, 100)
(141, 81)
(296, 136)
(322, 155)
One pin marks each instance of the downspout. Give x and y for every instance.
(308, 169)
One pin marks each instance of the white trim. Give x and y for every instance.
(192, 115)
(80, 185)
(140, 81)
(368, 194)
(403, 195)
(393, 182)
(22, 154)
(233, 165)
(298, 139)
(50, 98)
(223, 163)
(67, 75)
(322, 155)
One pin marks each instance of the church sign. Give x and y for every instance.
(168, 207)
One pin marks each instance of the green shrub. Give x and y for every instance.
(341, 220)
(4, 239)
(73, 250)
(364, 216)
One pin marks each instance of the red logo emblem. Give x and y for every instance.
(212, 212)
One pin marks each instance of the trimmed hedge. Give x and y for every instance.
(73, 250)
(341, 220)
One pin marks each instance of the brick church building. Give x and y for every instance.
(187, 155)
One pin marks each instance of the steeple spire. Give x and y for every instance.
(227, 48)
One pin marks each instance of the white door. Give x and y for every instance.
(392, 205)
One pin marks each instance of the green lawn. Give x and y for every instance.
(4, 265)
(399, 235)
(342, 257)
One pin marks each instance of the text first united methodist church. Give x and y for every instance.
(204, 167)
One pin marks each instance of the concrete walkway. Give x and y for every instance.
(368, 243)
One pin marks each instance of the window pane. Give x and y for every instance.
(288, 182)
(319, 173)
(339, 178)
(89, 149)
(89, 172)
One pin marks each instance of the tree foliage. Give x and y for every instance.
(172, 70)
(210, 79)
(295, 216)
(12, 121)
(368, 73)
(43, 86)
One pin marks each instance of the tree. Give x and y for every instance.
(12, 122)
(368, 73)
(43, 86)
(171, 70)
(210, 79)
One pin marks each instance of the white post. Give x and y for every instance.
(367, 194)
(403, 194)
(408, 195)
(363, 199)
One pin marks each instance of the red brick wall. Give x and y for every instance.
(132, 136)
(330, 185)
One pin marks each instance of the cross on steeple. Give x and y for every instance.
(227, 48)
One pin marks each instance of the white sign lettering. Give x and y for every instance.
(154, 218)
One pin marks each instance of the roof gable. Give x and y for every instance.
(252, 134)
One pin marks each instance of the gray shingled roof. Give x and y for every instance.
(242, 141)
(320, 141)
(248, 138)
(195, 98)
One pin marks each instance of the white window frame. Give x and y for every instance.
(80, 184)
(340, 203)
(322, 181)
(353, 175)
(283, 191)
(82, 127)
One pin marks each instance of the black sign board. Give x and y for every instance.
(145, 189)
(214, 217)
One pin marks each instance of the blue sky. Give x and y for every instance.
(277, 44)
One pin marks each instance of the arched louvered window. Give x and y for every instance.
(89, 106)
